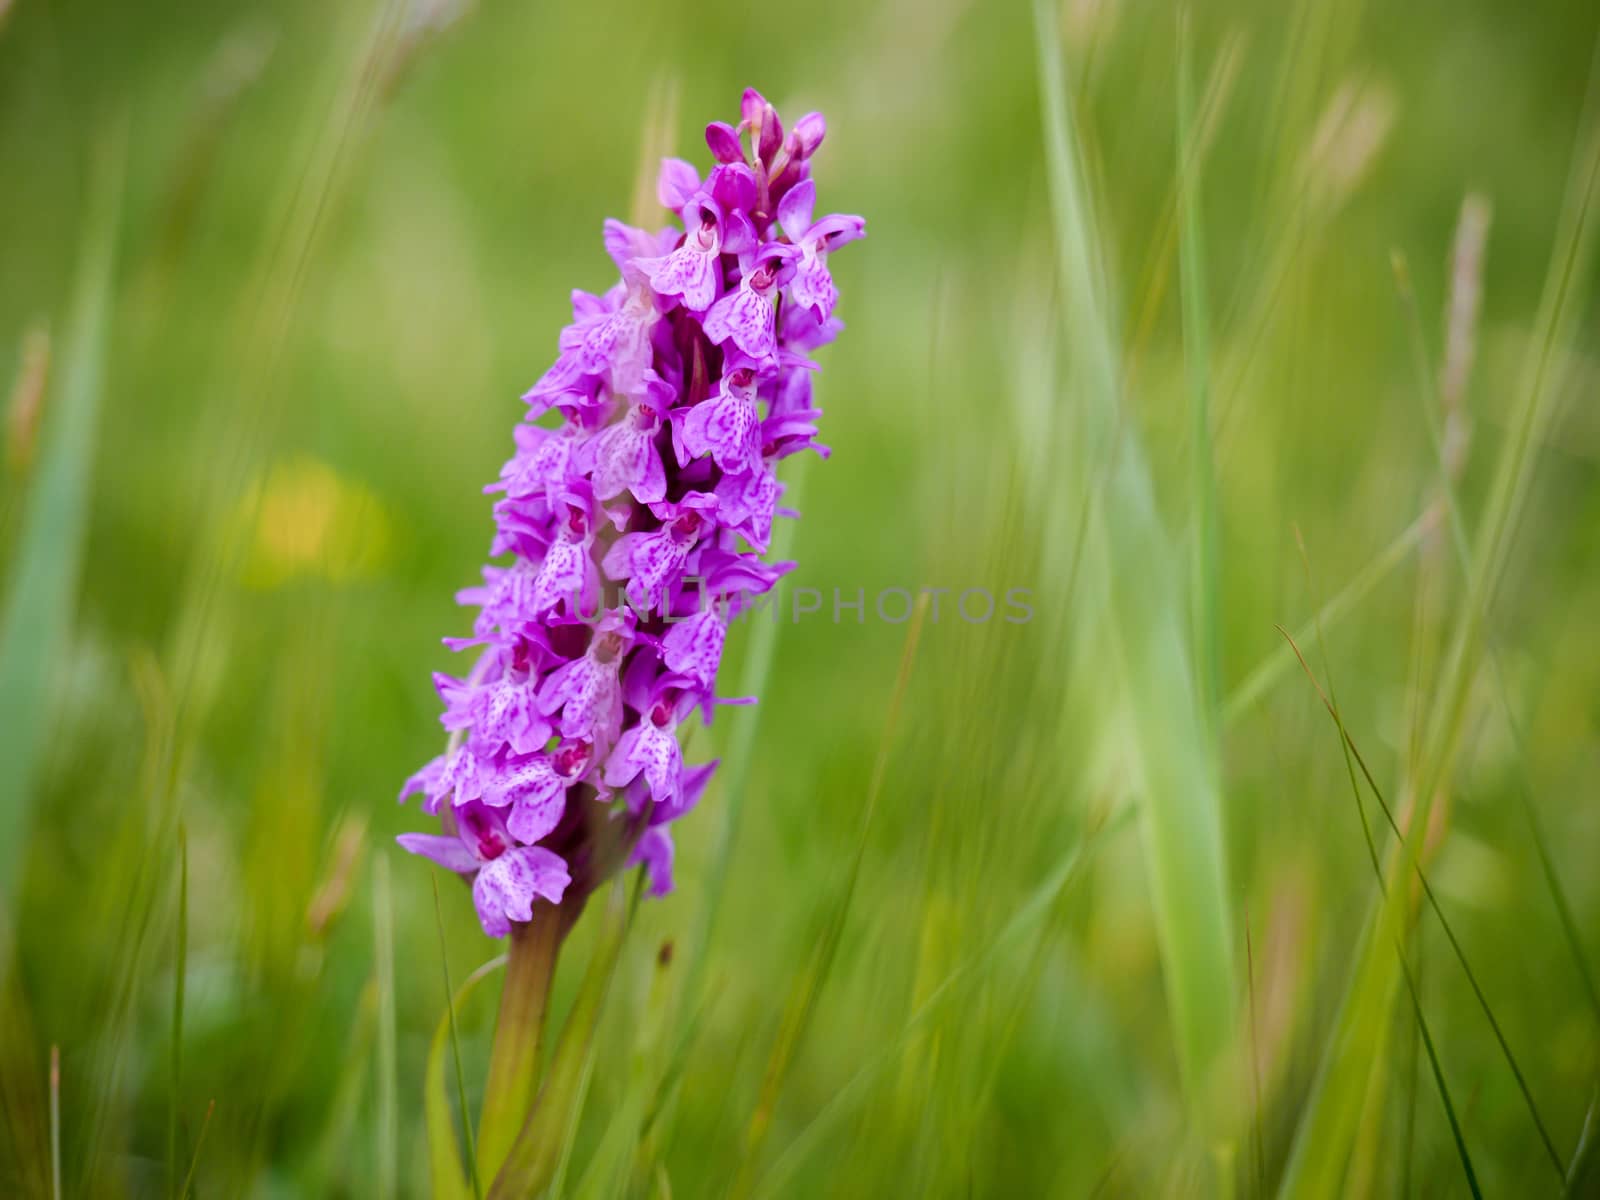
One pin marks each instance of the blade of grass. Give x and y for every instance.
(1351, 755)
(1274, 665)
(1203, 602)
(1552, 881)
(1438, 1079)
(1182, 814)
(807, 989)
(180, 971)
(37, 621)
(1583, 1176)
(449, 1180)
(55, 1122)
(735, 774)
(1255, 1063)
(315, 176)
(386, 1128)
(1323, 1140)
(332, 1148)
(1030, 912)
(199, 1142)
(1514, 472)
(736, 763)
(624, 1147)
(455, 1053)
(1409, 1139)
(558, 1181)
(1194, 149)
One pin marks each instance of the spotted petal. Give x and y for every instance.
(507, 886)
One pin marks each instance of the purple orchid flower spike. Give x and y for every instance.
(630, 524)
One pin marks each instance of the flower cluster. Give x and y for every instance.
(635, 527)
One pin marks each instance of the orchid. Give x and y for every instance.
(632, 528)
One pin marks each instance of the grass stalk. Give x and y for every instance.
(807, 989)
(55, 1122)
(1352, 755)
(447, 1177)
(1028, 914)
(199, 1144)
(471, 1156)
(386, 1127)
(179, 975)
(1323, 1140)
(1203, 602)
(1458, 537)
(35, 625)
(1182, 810)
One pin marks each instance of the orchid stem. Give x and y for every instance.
(518, 1035)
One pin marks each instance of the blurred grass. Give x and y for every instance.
(345, 249)
(37, 615)
(1153, 690)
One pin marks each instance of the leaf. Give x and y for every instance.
(1141, 628)
(44, 579)
(447, 1176)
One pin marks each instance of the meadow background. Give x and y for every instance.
(1077, 906)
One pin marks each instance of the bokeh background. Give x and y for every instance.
(1073, 906)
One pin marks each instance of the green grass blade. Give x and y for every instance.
(448, 1178)
(736, 766)
(44, 578)
(199, 1143)
(387, 1125)
(1438, 1080)
(1353, 759)
(1182, 809)
(434, 1130)
(1327, 1128)
(807, 989)
(1028, 914)
(1203, 602)
(55, 1122)
(1351, 755)
(1583, 1175)
(1458, 538)
(1514, 472)
(179, 975)
(1275, 665)
(330, 1154)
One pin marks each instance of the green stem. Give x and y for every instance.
(518, 1035)
(542, 1145)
